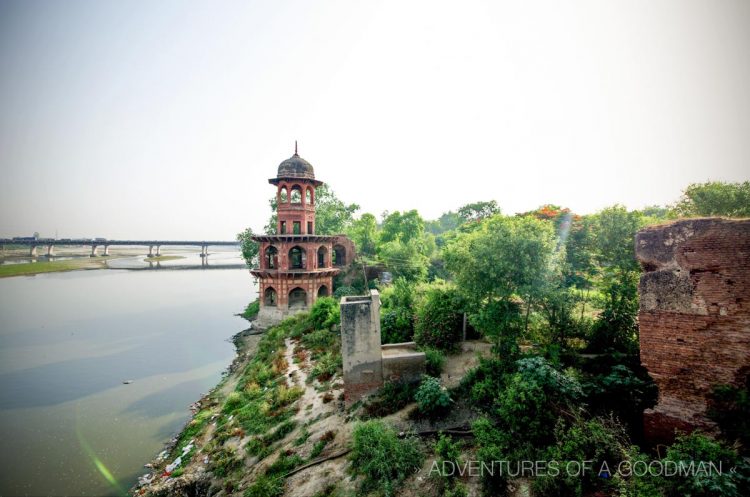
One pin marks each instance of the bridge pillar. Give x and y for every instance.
(150, 251)
(32, 251)
(50, 250)
(106, 250)
(204, 250)
(158, 250)
(93, 251)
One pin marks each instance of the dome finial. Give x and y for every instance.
(295, 147)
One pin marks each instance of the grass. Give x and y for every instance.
(163, 258)
(8, 270)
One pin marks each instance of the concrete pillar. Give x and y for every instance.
(93, 251)
(158, 250)
(106, 250)
(150, 251)
(50, 250)
(204, 250)
(360, 345)
(32, 251)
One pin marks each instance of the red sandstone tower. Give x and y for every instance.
(296, 265)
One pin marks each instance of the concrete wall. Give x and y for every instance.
(360, 345)
(402, 362)
(694, 317)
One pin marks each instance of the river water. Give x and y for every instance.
(68, 341)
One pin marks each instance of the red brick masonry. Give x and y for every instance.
(694, 318)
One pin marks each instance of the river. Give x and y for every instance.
(69, 341)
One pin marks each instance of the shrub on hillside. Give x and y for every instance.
(434, 362)
(382, 458)
(325, 313)
(432, 397)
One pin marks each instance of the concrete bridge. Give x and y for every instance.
(95, 243)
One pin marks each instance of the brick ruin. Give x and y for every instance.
(694, 317)
(368, 363)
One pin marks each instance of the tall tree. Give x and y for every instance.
(404, 227)
(715, 198)
(477, 211)
(504, 258)
(364, 234)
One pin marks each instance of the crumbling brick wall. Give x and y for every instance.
(694, 317)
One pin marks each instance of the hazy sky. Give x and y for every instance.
(164, 119)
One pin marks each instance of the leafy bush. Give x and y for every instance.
(492, 445)
(696, 448)
(382, 458)
(448, 450)
(325, 313)
(432, 397)
(622, 393)
(321, 340)
(397, 312)
(597, 440)
(396, 326)
(434, 362)
(344, 291)
(438, 319)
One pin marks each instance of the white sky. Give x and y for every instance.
(165, 119)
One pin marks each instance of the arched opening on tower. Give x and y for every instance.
(308, 196)
(297, 298)
(269, 297)
(296, 194)
(283, 195)
(322, 253)
(323, 291)
(272, 257)
(339, 256)
(297, 258)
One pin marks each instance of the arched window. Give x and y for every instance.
(272, 257)
(297, 258)
(323, 291)
(297, 298)
(322, 253)
(269, 297)
(308, 196)
(339, 256)
(283, 196)
(296, 194)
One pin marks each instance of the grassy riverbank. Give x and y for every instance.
(31, 268)
(163, 258)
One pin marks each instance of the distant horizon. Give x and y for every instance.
(359, 213)
(165, 120)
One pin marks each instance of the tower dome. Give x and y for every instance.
(296, 167)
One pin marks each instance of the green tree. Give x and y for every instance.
(715, 198)
(477, 211)
(332, 216)
(248, 247)
(364, 234)
(503, 258)
(615, 255)
(447, 222)
(405, 259)
(402, 227)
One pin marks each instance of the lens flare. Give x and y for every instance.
(98, 464)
